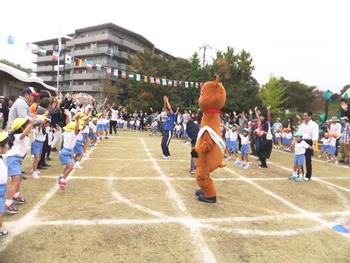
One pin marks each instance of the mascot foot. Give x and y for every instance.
(198, 192)
(210, 200)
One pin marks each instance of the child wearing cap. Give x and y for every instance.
(20, 129)
(228, 141)
(289, 139)
(332, 148)
(244, 136)
(4, 147)
(234, 143)
(70, 134)
(37, 144)
(92, 131)
(300, 147)
(79, 143)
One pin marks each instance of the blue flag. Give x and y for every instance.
(10, 40)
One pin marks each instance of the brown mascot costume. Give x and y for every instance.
(209, 149)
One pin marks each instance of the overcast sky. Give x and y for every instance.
(302, 40)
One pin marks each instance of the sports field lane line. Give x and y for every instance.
(135, 178)
(306, 214)
(315, 178)
(29, 219)
(206, 254)
(316, 160)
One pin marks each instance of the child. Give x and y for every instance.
(283, 137)
(178, 130)
(278, 138)
(37, 144)
(332, 148)
(4, 147)
(66, 154)
(79, 144)
(92, 131)
(234, 143)
(325, 145)
(244, 136)
(300, 147)
(154, 127)
(289, 137)
(20, 129)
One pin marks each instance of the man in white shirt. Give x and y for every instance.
(335, 128)
(310, 131)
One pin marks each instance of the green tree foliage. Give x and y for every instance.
(299, 95)
(273, 94)
(345, 88)
(235, 70)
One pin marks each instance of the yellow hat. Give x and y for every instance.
(42, 118)
(94, 119)
(71, 126)
(81, 114)
(85, 118)
(18, 123)
(3, 136)
(99, 115)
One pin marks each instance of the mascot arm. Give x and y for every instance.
(205, 144)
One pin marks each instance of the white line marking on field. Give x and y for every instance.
(305, 213)
(198, 239)
(316, 160)
(135, 159)
(157, 178)
(19, 226)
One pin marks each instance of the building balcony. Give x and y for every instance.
(104, 38)
(85, 88)
(49, 58)
(87, 76)
(44, 69)
(99, 51)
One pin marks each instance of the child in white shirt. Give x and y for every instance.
(325, 144)
(20, 129)
(37, 144)
(300, 147)
(4, 147)
(244, 136)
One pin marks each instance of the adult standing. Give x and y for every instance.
(5, 108)
(344, 149)
(20, 108)
(310, 131)
(262, 147)
(168, 127)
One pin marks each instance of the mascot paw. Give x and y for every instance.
(194, 154)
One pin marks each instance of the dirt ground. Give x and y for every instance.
(127, 204)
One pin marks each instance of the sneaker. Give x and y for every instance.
(11, 209)
(61, 183)
(299, 179)
(293, 177)
(246, 166)
(306, 179)
(262, 166)
(19, 199)
(3, 233)
(35, 175)
(193, 171)
(238, 163)
(77, 166)
(336, 163)
(166, 157)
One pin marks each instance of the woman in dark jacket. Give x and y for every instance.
(261, 142)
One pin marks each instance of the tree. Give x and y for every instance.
(344, 89)
(273, 94)
(299, 95)
(235, 71)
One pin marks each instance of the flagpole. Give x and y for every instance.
(58, 61)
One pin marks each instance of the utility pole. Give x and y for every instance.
(58, 60)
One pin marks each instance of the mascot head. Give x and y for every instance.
(213, 96)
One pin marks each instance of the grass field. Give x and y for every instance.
(129, 205)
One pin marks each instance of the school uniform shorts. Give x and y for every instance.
(66, 156)
(14, 165)
(2, 197)
(299, 159)
(37, 147)
(78, 148)
(245, 149)
(233, 146)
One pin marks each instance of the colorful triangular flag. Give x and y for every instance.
(109, 70)
(42, 51)
(151, 79)
(115, 72)
(68, 59)
(98, 67)
(158, 81)
(145, 78)
(124, 74)
(138, 77)
(10, 40)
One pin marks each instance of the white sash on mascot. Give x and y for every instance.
(216, 137)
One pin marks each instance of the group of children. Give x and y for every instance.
(283, 139)
(80, 129)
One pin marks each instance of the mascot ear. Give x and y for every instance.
(217, 79)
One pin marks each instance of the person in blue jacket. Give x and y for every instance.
(168, 127)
